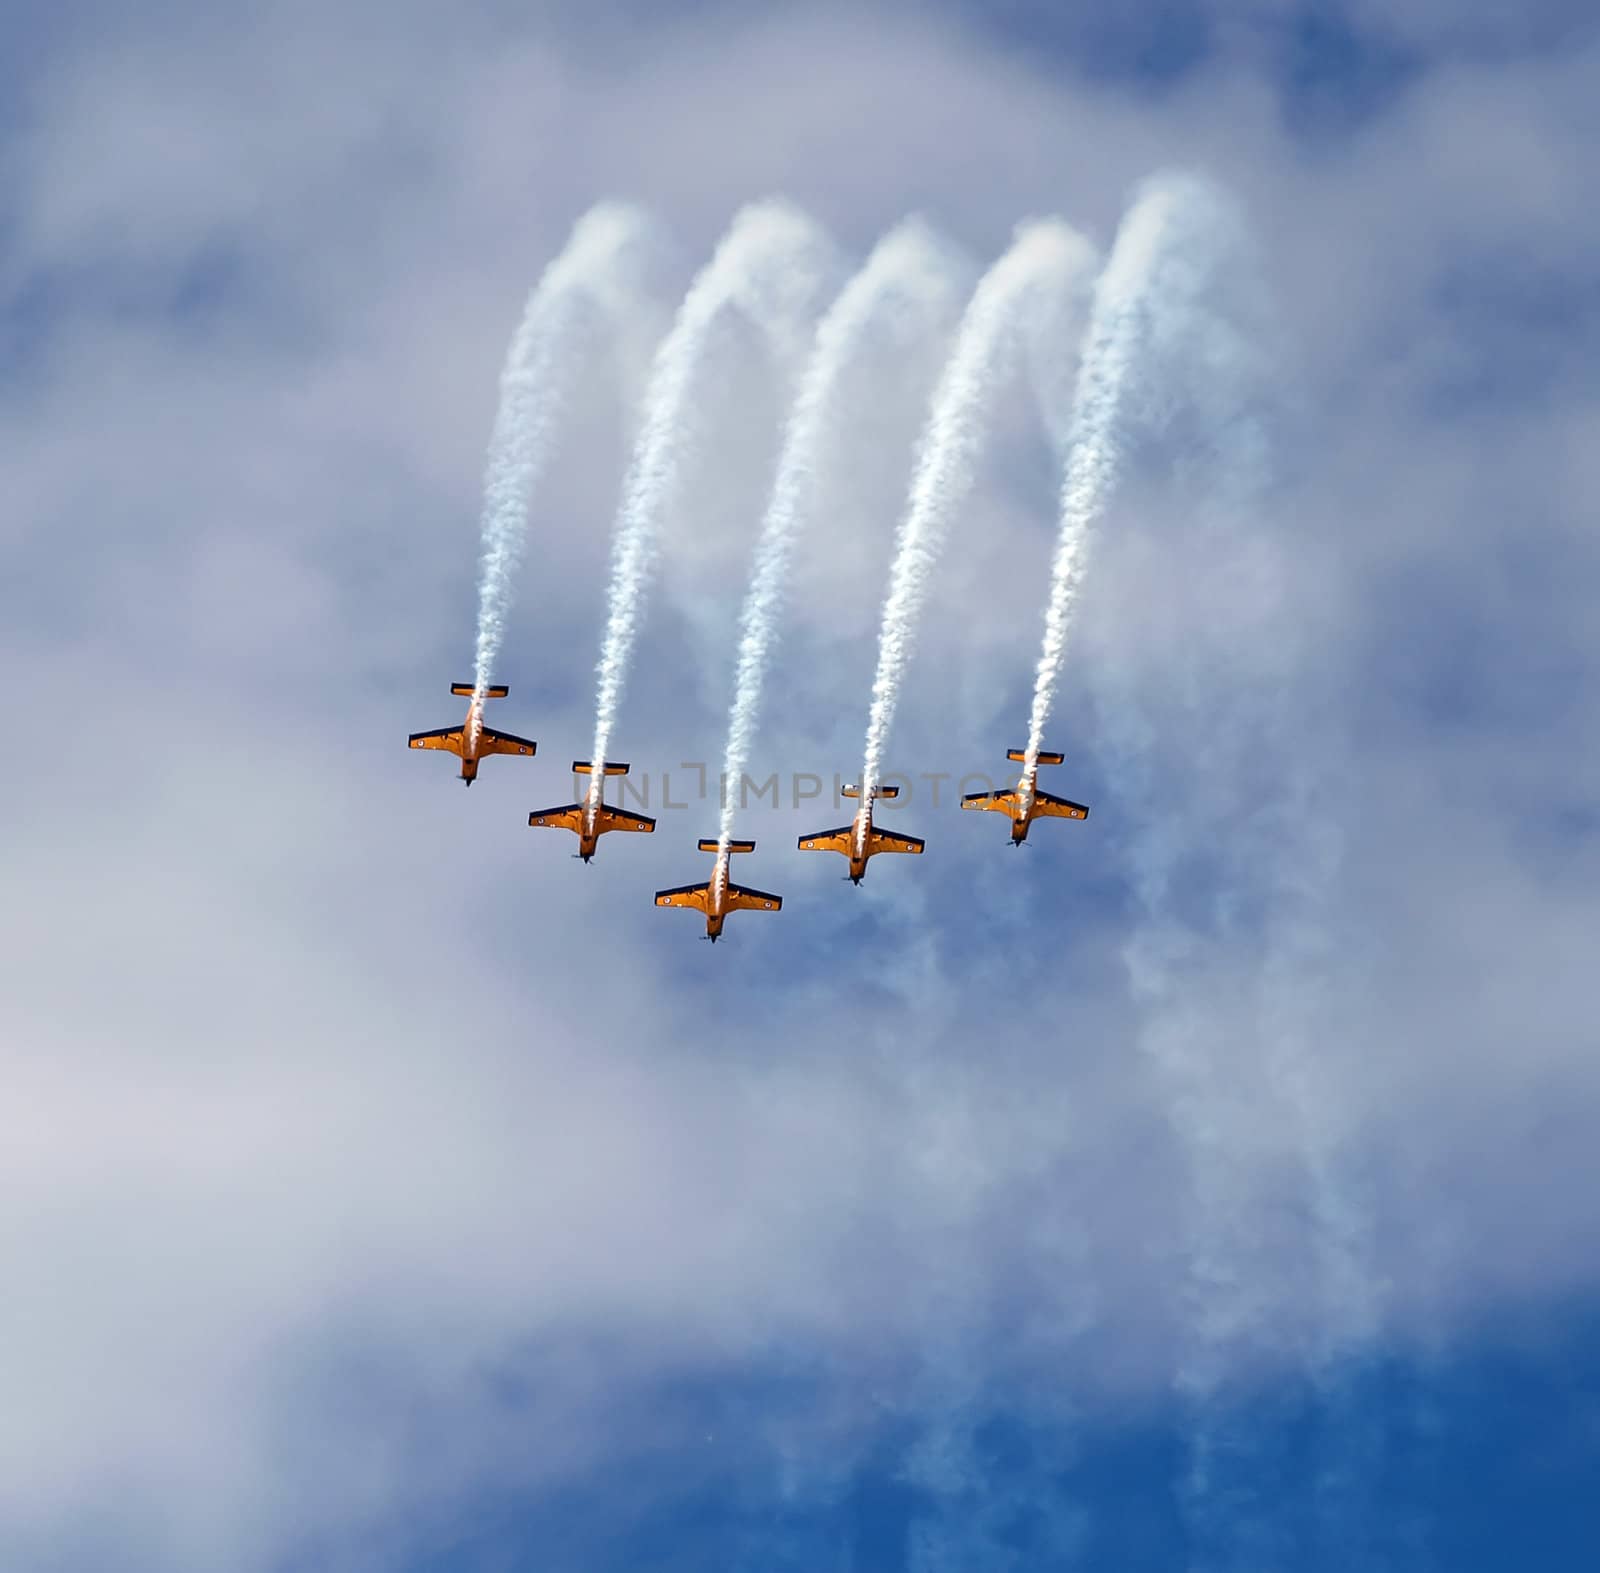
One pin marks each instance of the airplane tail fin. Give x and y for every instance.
(582, 767)
(714, 845)
(881, 791)
(467, 690)
(1019, 756)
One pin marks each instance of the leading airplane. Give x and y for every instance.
(861, 839)
(719, 896)
(472, 740)
(1026, 801)
(591, 818)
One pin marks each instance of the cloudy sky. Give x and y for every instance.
(1208, 1186)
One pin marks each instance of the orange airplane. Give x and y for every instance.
(472, 740)
(718, 896)
(591, 818)
(860, 839)
(1025, 802)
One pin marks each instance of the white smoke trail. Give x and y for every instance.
(1047, 258)
(909, 282)
(1161, 252)
(599, 270)
(770, 266)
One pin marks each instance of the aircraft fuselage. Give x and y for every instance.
(471, 741)
(1024, 816)
(717, 904)
(588, 826)
(860, 837)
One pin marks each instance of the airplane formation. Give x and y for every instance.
(858, 842)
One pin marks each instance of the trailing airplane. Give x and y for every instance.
(719, 896)
(1025, 802)
(472, 740)
(591, 818)
(861, 839)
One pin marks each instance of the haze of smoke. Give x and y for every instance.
(907, 284)
(1251, 1091)
(1287, 861)
(1153, 266)
(974, 1510)
(1149, 320)
(769, 265)
(1047, 257)
(597, 272)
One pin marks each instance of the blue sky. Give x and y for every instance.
(1207, 1186)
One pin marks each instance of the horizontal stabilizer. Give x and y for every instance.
(733, 846)
(467, 690)
(1019, 756)
(582, 767)
(882, 791)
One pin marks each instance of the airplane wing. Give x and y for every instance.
(447, 737)
(621, 819)
(890, 841)
(743, 900)
(694, 896)
(568, 817)
(505, 743)
(828, 841)
(1002, 801)
(1059, 807)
